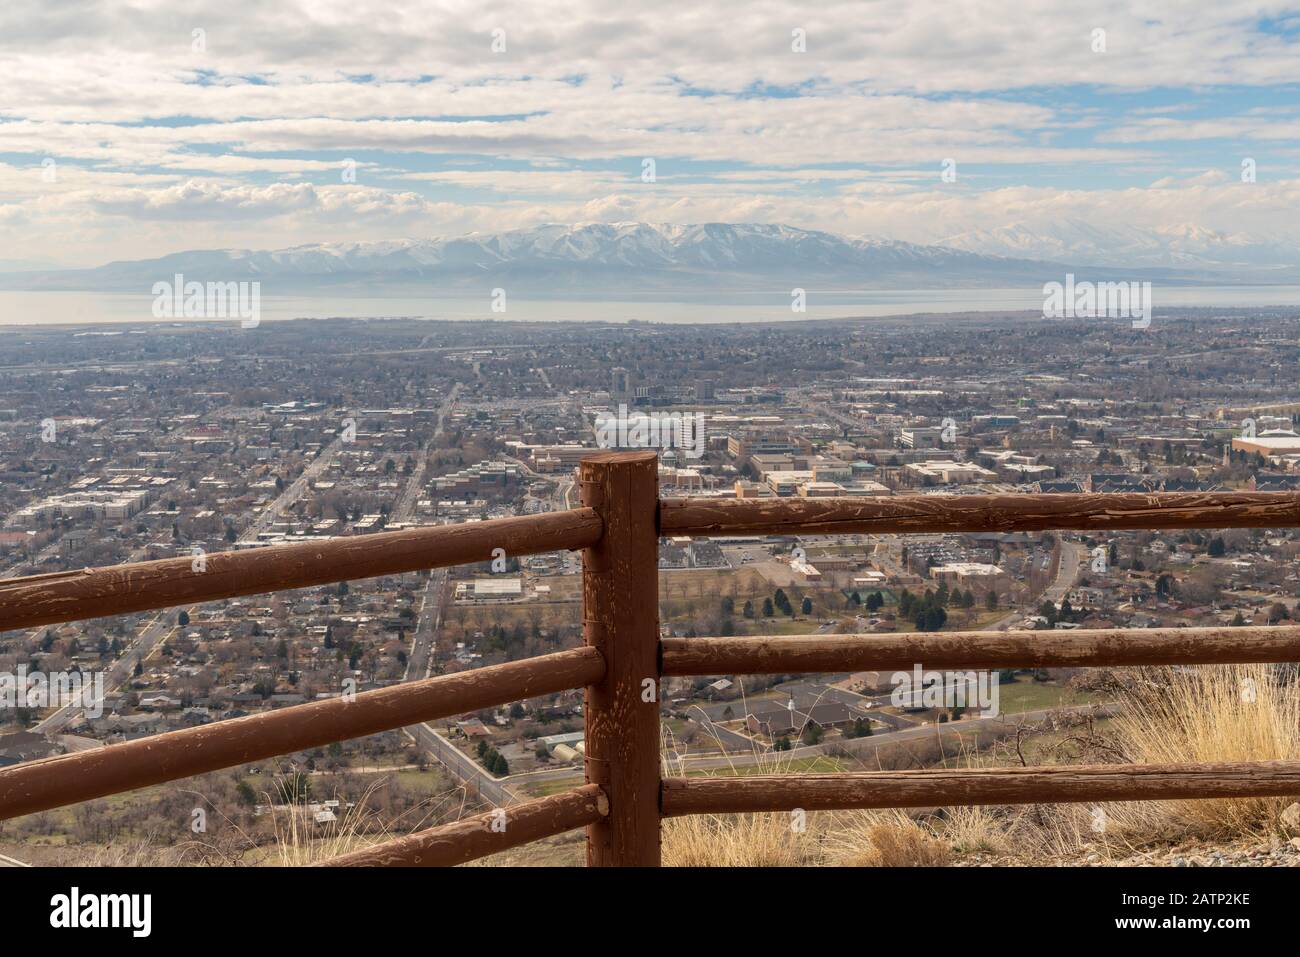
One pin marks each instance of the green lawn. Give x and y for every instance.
(1027, 695)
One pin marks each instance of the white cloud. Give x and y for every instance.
(160, 145)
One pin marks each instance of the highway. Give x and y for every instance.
(415, 484)
(293, 491)
(1067, 574)
(419, 663)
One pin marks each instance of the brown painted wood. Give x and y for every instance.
(484, 834)
(620, 595)
(978, 513)
(947, 788)
(83, 775)
(1084, 648)
(116, 590)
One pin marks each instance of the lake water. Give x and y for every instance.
(65, 308)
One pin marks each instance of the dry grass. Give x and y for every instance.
(969, 830)
(1174, 716)
(140, 853)
(836, 838)
(738, 840)
(299, 841)
(795, 839)
(735, 840)
(1221, 713)
(1166, 715)
(1205, 714)
(883, 839)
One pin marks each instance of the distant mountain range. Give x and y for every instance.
(1185, 246)
(628, 260)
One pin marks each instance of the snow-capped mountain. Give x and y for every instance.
(1184, 246)
(612, 259)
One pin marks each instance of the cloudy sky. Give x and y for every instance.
(130, 130)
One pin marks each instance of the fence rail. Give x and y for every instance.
(944, 788)
(484, 834)
(623, 660)
(1082, 648)
(917, 514)
(166, 583)
(82, 775)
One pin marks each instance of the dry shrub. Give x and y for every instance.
(884, 839)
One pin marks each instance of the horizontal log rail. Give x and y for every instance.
(946, 788)
(83, 775)
(1082, 648)
(913, 514)
(496, 830)
(143, 586)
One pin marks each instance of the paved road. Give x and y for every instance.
(33, 565)
(808, 405)
(415, 484)
(428, 620)
(1067, 574)
(293, 491)
(119, 672)
(420, 662)
(865, 746)
(464, 769)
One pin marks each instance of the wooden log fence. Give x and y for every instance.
(623, 659)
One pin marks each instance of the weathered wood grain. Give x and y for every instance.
(67, 779)
(1084, 648)
(484, 834)
(116, 590)
(979, 513)
(946, 788)
(620, 595)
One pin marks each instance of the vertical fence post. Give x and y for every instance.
(620, 600)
